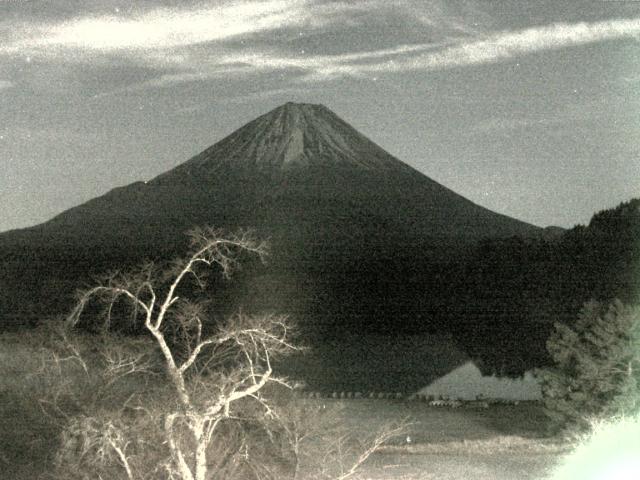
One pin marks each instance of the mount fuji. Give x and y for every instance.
(359, 238)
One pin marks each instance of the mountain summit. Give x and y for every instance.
(294, 135)
(300, 167)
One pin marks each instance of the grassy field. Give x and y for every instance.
(498, 443)
(28, 437)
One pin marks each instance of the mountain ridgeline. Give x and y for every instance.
(297, 169)
(361, 243)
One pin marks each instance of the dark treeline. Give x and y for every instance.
(505, 300)
(499, 298)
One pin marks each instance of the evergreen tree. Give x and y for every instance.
(597, 366)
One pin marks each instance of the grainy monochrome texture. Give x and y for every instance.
(319, 239)
(530, 109)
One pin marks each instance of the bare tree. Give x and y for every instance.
(194, 362)
(210, 414)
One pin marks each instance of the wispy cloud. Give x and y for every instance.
(452, 53)
(166, 29)
(4, 84)
(314, 65)
(630, 79)
(508, 124)
(199, 43)
(156, 33)
(506, 45)
(160, 28)
(490, 48)
(192, 68)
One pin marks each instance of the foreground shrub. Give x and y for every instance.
(28, 437)
(597, 366)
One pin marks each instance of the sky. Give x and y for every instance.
(531, 109)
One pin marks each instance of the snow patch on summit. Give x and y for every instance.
(294, 148)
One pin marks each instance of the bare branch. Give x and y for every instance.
(381, 438)
(112, 292)
(194, 355)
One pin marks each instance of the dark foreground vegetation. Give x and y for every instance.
(38, 441)
(507, 297)
(499, 299)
